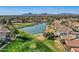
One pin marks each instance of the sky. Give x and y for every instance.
(17, 10)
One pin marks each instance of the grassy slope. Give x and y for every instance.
(21, 25)
(27, 46)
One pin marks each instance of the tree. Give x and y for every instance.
(2, 21)
(49, 20)
(49, 36)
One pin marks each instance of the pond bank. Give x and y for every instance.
(39, 37)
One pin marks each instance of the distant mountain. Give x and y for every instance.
(31, 14)
(67, 14)
(45, 14)
(27, 14)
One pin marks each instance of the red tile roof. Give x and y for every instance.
(75, 49)
(3, 31)
(75, 33)
(69, 37)
(72, 43)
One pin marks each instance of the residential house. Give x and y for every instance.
(71, 44)
(4, 33)
(74, 49)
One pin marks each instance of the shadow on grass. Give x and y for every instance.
(23, 39)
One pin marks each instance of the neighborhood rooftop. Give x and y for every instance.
(66, 32)
(72, 43)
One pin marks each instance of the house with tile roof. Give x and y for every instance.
(72, 44)
(74, 49)
(3, 33)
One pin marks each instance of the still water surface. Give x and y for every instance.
(36, 29)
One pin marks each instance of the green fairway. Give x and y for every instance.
(33, 46)
(29, 44)
(21, 25)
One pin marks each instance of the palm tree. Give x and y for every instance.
(10, 26)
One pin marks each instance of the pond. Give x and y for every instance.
(36, 29)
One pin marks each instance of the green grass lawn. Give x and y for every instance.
(21, 25)
(26, 43)
(51, 44)
(32, 46)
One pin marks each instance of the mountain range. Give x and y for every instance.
(45, 14)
